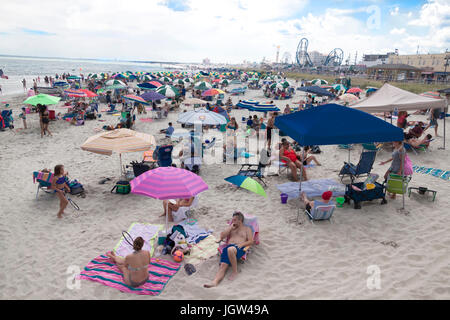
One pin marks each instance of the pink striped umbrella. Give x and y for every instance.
(168, 183)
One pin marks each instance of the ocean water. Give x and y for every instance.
(18, 68)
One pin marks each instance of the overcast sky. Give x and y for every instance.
(225, 31)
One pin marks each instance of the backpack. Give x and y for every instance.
(75, 187)
(122, 187)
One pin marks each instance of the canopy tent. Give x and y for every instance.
(390, 98)
(335, 124)
(316, 90)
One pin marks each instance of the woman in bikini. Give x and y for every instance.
(135, 265)
(59, 185)
(45, 120)
(308, 159)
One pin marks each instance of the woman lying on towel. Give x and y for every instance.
(135, 265)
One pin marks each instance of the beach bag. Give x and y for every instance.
(75, 187)
(315, 149)
(122, 187)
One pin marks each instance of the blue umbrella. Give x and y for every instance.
(264, 107)
(147, 86)
(316, 90)
(151, 96)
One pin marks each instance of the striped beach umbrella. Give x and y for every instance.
(225, 82)
(188, 80)
(202, 116)
(152, 96)
(318, 82)
(75, 93)
(114, 82)
(212, 92)
(431, 94)
(89, 93)
(247, 183)
(285, 84)
(276, 85)
(264, 107)
(165, 183)
(339, 87)
(202, 85)
(168, 91)
(132, 97)
(348, 98)
(165, 80)
(178, 82)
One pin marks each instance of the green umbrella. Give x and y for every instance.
(339, 87)
(168, 91)
(115, 86)
(42, 98)
(202, 85)
(285, 84)
(247, 183)
(319, 82)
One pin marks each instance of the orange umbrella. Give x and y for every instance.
(89, 93)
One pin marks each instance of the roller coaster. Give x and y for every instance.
(334, 58)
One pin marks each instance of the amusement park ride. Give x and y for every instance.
(334, 58)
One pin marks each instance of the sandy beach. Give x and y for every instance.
(411, 249)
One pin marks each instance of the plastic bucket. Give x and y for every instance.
(340, 202)
(284, 198)
(27, 110)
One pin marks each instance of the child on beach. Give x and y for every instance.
(23, 115)
(59, 185)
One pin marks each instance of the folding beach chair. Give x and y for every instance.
(253, 171)
(319, 213)
(148, 159)
(397, 184)
(185, 212)
(251, 222)
(45, 182)
(163, 155)
(364, 166)
(416, 150)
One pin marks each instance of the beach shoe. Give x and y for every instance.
(190, 269)
(103, 181)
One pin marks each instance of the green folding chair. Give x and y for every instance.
(397, 184)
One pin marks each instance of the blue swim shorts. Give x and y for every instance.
(224, 256)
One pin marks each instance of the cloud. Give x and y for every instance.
(398, 31)
(177, 5)
(37, 32)
(394, 11)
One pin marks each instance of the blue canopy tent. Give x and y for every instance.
(316, 90)
(335, 124)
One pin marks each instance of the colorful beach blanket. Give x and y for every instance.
(445, 175)
(202, 251)
(147, 231)
(194, 232)
(104, 271)
(312, 188)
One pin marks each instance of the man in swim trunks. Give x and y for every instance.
(240, 236)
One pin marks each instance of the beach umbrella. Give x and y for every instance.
(264, 107)
(89, 93)
(166, 183)
(152, 96)
(202, 85)
(149, 85)
(43, 99)
(165, 79)
(118, 141)
(276, 86)
(225, 82)
(73, 78)
(115, 87)
(194, 101)
(61, 84)
(178, 82)
(132, 97)
(75, 93)
(318, 82)
(353, 90)
(247, 183)
(221, 111)
(114, 82)
(188, 80)
(253, 79)
(285, 84)
(371, 89)
(431, 94)
(96, 76)
(202, 116)
(147, 78)
(348, 98)
(168, 91)
(212, 92)
(339, 87)
(119, 76)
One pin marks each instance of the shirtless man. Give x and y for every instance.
(241, 236)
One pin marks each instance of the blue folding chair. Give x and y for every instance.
(163, 155)
(364, 166)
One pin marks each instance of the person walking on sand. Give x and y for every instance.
(24, 82)
(240, 236)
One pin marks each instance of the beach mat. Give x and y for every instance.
(147, 231)
(312, 188)
(202, 251)
(104, 271)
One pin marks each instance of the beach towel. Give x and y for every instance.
(202, 251)
(443, 174)
(312, 188)
(104, 271)
(193, 231)
(147, 231)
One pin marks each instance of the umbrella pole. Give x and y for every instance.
(445, 114)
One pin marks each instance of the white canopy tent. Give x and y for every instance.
(389, 98)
